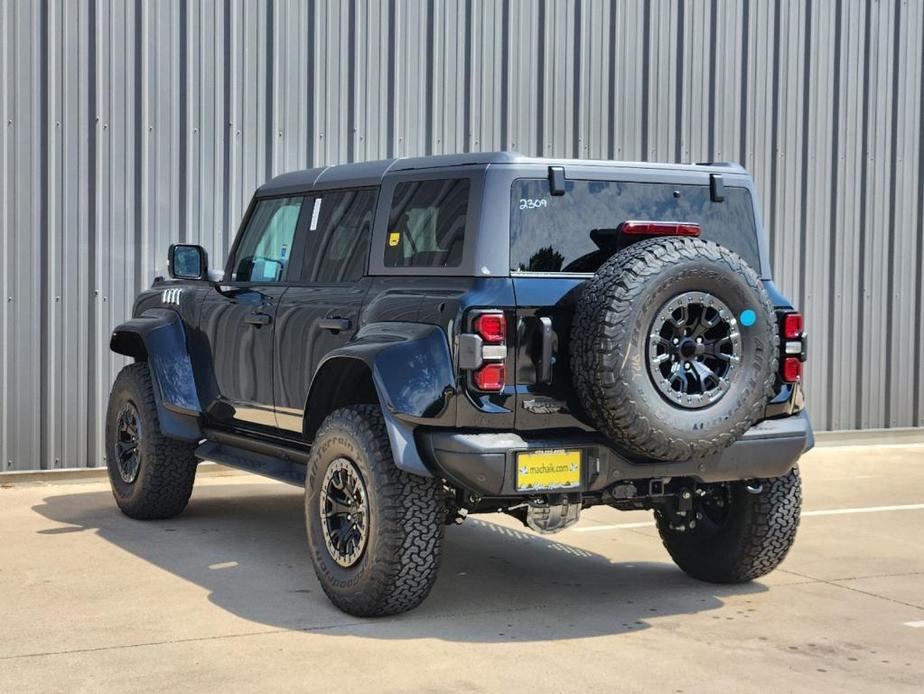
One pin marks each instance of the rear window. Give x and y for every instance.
(552, 233)
(426, 225)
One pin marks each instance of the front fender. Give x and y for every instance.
(158, 337)
(411, 369)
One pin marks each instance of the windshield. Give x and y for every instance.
(552, 233)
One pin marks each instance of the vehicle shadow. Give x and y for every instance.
(245, 544)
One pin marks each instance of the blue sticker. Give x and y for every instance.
(748, 318)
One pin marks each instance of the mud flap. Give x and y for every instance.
(403, 447)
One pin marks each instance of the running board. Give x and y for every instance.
(270, 466)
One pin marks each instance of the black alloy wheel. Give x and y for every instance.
(128, 443)
(694, 348)
(344, 509)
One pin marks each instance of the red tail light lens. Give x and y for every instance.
(492, 327)
(488, 368)
(792, 326)
(491, 377)
(660, 228)
(792, 369)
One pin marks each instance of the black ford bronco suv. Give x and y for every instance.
(416, 340)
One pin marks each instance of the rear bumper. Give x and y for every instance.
(484, 463)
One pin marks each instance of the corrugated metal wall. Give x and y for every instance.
(127, 125)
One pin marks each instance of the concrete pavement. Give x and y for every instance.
(224, 598)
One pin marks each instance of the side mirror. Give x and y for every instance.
(187, 262)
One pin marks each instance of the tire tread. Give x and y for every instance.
(411, 528)
(168, 471)
(761, 535)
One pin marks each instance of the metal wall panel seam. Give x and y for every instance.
(912, 305)
(6, 123)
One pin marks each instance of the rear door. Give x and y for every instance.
(320, 311)
(238, 318)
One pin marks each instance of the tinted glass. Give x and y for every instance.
(553, 233)
(426, 226)
(264, 251)
(336, 250)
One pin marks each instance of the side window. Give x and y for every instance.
(337, 249)
(426, 225)
(263, 252)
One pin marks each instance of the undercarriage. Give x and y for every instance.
(682, 502)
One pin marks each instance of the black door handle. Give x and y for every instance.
(259, 319)
(335, 324)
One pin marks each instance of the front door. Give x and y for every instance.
(321, 310)
(238, 319)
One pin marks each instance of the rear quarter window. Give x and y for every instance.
(552, 233)
(426, 223)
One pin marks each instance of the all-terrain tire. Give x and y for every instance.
(752, 541)
(609, 348)
(167, 468)
(406, 513)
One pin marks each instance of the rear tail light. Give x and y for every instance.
(660, 228)
(491, 377)
(491, 327)
(792, 369)
(483, 351)
(792, 328)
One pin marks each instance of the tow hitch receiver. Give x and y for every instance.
(679, 501)
(681, 514)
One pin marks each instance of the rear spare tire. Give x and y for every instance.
(674, 348)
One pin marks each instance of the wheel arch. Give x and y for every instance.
(404, 368)
(158, 337)
(128, 341)
(340, 381)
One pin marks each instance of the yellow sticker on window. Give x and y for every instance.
(394, 238)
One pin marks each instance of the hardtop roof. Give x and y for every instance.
(371, 172)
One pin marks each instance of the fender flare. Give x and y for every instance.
(158, 337)
(411, 370)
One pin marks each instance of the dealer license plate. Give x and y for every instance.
(547, 470)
